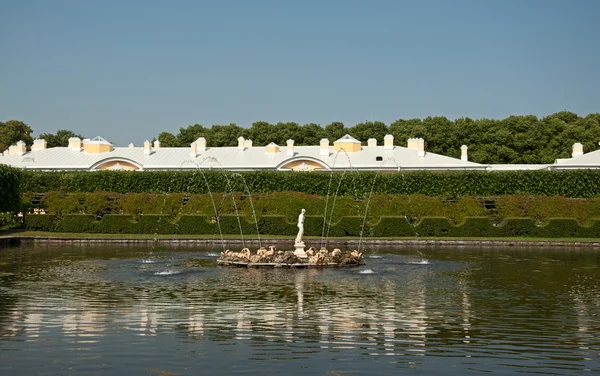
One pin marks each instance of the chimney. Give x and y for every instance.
(420, 147)
(75, 143)
(577, 150)
(201, 144)
(412, 143)
(463, 153)
(147, 148)
(39, 144)
(324, 147)
(372, 142)
(193, 150)
(290, 148)
(156, 145)
(240, 143)
(248, 143)
(388, 142)
(131, 146)
(21, 148)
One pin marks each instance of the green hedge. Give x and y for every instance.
(346, 226)
(10, 189)
(577, 183)
(289, 204)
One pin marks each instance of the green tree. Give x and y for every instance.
(14, 131)
(369, 129)
(224, 135)
(190, 134)
(262, 133)
(60, 138)
(335, 131)
(168, 140)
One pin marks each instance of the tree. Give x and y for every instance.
(190, 134)
(61, 138)
(14, 131)
(335, 131)
(168, 140)
(224, 135)
(369, 129)
(311, 134)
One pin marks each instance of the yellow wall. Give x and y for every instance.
(96, 148)
(303, 165)
(350, 147)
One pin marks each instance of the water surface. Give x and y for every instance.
(131, 310)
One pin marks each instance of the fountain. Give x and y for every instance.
(272, 257)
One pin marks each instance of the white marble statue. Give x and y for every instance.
(300, 227)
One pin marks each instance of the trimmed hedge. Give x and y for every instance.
(288, 204)
(574, 183)
(346, 226)
(10, 189)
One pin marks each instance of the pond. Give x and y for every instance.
(128, 310)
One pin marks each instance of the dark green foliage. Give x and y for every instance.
(81, 223)
(519, 227)
(515, 139)
(479, 227)
(565, 228)
(115, 224)
(578, 183)
(196, 224)
(45, 222)
(391, 227)
(432, 226)
(348, 226)
(10, 189)
(276, 225)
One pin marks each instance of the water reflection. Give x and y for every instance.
(519, 311)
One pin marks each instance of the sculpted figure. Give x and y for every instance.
(300, 227)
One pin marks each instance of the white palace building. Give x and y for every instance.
(345, 154)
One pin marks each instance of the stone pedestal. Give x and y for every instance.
(299, 251)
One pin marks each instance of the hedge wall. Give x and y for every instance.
(577, 183)
(289, 204)
(345, 226)
(10, 193)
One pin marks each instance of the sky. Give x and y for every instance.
(127, 70)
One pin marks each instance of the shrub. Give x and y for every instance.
(579, 183)
(10, 189)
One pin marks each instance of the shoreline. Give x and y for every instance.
(7, 240)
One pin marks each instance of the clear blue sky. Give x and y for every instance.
(127, 70)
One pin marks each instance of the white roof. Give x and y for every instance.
(588, 160)
(231, 158)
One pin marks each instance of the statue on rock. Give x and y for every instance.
(300, 227)
(299, 243)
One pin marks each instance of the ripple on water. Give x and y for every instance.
(91, 312)
(367, 271)
(167, 272)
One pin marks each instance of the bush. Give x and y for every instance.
(575, 184)
(45, 222)
(10, 189)
(393, 227)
